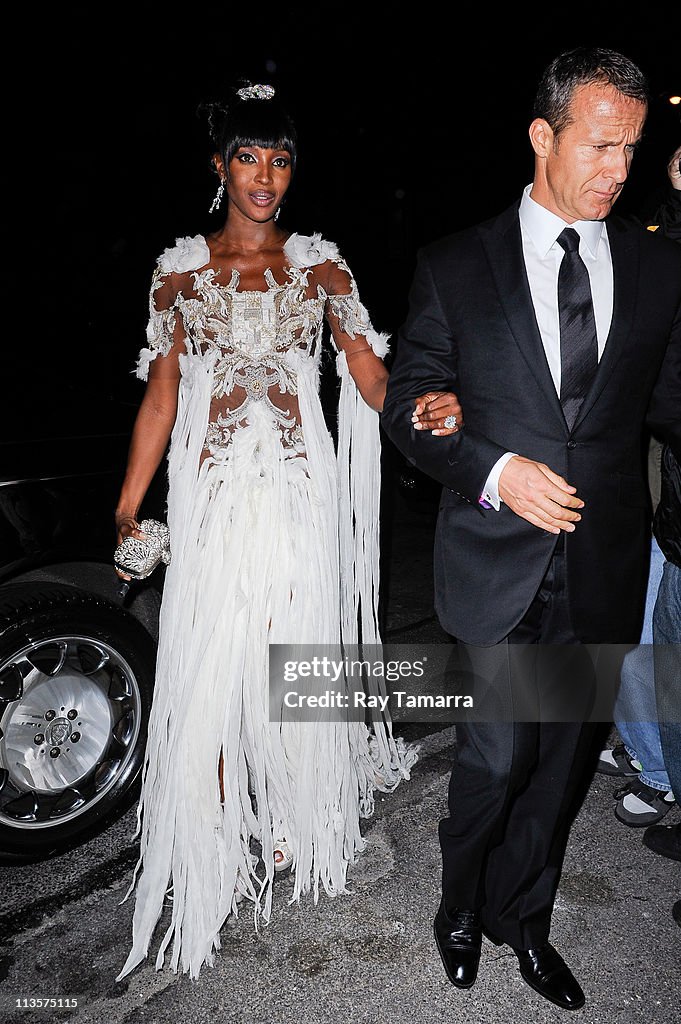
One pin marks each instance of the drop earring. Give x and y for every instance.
(218, 197)
(276, 216)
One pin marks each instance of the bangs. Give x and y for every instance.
(262, 141)
(261, 123)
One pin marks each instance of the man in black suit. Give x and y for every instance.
(551, 323)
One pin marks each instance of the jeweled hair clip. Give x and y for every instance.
(256, 92)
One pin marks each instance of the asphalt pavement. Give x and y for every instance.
(364, 957)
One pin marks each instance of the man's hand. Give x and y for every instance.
(535, 493)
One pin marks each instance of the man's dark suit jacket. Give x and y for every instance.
(471, 329)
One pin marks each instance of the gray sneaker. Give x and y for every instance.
(639, 805)
(617, 762)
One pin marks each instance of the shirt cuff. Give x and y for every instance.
(490, 492)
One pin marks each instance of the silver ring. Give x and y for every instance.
(450, 421)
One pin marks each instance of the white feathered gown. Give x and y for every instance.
(263, 513)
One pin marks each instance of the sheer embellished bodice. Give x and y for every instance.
(255, 341)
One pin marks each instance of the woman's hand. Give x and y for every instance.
(432, 409)
(127, 526)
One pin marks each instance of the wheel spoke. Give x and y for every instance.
(106, 771)
(24, 808)
(70, 800)
(49, 657)
(11, 684)
(119, 685)
(91, 658)
(124, 729)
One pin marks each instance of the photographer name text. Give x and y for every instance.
(377, 702)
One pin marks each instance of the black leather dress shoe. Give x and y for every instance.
(546, 972)
(459, 940)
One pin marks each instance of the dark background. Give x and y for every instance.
(408, 130)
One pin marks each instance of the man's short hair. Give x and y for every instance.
(584, 66)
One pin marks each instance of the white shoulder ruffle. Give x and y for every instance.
(186, 254)
(309, 250)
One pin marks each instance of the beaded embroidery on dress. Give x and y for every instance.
(275, 540)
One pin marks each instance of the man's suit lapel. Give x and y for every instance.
(502, 242)
(503, 246)
(625, 253)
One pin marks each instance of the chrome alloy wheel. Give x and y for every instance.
(70, 714)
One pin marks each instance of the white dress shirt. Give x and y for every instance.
(539, 229)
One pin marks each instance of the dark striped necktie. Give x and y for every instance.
(578, 343)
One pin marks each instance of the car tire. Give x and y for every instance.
(76, 683)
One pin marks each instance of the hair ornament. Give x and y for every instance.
(256, 92)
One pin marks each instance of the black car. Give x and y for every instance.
(76, 659)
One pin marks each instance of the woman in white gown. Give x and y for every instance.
(274, 538)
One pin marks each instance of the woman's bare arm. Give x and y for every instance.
(150, 436)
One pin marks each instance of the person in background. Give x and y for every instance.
(647, 795)
(667, 217)
(662, 839)
(665, 420)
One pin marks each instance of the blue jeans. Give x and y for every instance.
(667, 635)
(635, 710)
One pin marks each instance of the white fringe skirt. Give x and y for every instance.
(256, 553)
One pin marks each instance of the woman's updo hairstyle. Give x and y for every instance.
(253, 116)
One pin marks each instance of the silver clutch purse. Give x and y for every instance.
(138, 558)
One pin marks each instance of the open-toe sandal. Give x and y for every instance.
(283, 855)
